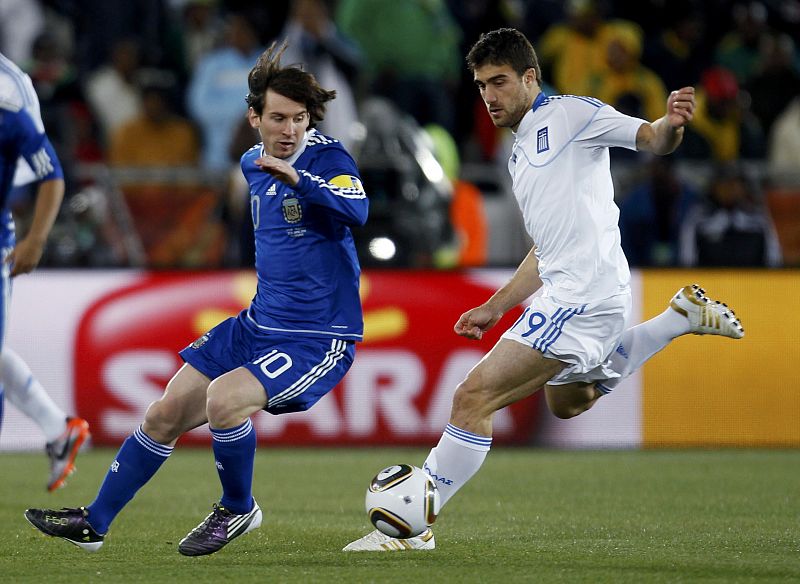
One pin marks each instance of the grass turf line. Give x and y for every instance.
(530, 515)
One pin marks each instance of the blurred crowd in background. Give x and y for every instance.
(144, 103)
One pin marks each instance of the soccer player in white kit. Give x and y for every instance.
(573, 339)
(27, 156)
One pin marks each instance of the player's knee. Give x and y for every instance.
(566, 402)
(215, 409)
(565, 412)
(219, 407)
(470, 402)
(162, 422)
(569, 409)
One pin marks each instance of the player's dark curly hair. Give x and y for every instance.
(290, 81)
(504, 46)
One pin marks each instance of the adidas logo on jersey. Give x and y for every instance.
(271, 192)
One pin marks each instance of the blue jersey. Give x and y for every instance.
(22, 136)
(306, 262)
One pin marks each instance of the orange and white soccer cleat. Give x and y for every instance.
(63, 450)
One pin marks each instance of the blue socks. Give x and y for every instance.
(140, 457)
(234, 455)
(137, 461)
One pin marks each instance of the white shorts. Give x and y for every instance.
(582, 335)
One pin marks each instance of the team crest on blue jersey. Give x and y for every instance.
(200, 342)
(542, 141)
(292, 211)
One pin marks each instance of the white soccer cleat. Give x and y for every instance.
(380, 542)
(706, 316)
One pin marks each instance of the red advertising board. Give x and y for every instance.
(398, 390)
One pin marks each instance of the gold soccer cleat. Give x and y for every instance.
(706, 316)
(376, 541)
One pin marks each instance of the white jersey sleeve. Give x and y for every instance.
(607, 127)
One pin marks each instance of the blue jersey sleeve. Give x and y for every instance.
(336, 186)
(35, 148)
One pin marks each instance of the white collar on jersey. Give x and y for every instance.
(303, 143)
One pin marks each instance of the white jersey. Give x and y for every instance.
(561, 178)
(17, 92)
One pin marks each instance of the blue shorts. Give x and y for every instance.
(295, 371)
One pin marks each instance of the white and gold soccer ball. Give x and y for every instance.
(402, 501)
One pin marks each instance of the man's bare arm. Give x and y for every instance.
(665, 134)
(26, 254)
(522, 284)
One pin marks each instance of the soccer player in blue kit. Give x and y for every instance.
(27, 156)
(289, 348)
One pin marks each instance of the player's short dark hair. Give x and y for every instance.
(291, 82)
(504, 46)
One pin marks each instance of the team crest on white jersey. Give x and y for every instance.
(292, 211)
(542, 141)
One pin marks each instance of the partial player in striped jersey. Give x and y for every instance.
(573, 339)
(289, 348)
(26, 156)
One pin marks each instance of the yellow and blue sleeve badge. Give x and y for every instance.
(347, 181)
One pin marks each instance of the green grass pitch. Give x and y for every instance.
(530, 515)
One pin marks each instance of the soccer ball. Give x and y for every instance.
(402, 501)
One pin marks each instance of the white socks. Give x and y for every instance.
(643, 341)
(456, 458)
(29, 397)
